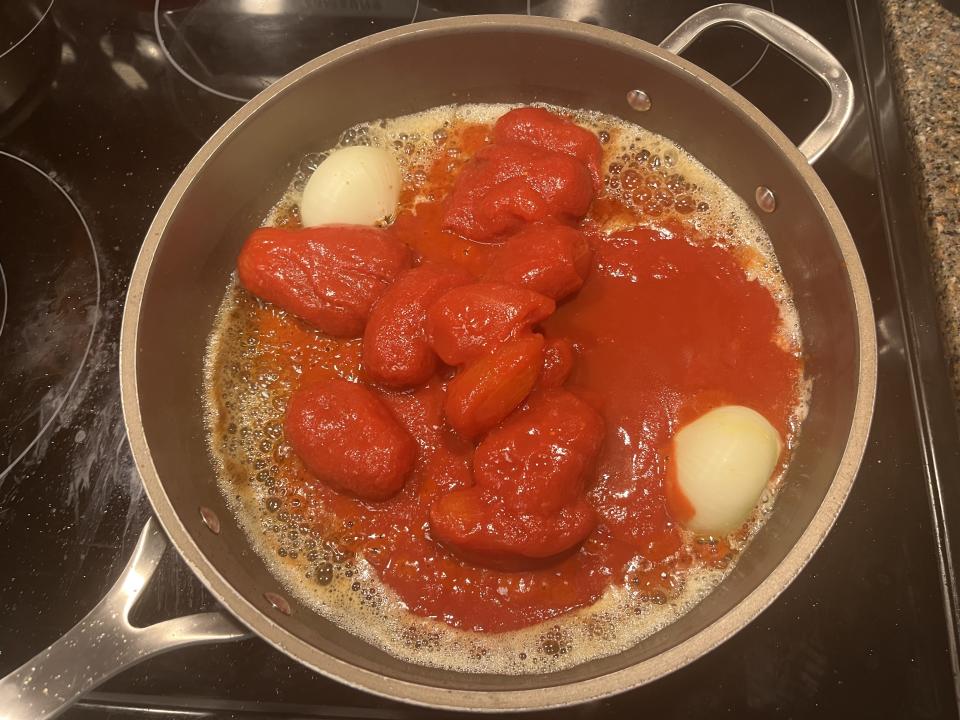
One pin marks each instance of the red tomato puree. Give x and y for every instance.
(666, 325)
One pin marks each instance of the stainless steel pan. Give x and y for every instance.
(191, 247)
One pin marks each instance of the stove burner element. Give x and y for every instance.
(51, 303)
(729, 53)
(29, 54)
(20, 20)
(3, 309)
(236, 48)
(432, 9)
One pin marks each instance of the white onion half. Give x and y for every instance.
(724, 460)
(357, 185)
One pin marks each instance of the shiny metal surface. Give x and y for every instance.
(639, 100)
(175, 277)
(105, 642)
(765, 198)
(794, 41)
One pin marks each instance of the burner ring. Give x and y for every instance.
(763, 54)
(3, 309)
(68, 383)
(288, 66)
(29, 32)
(656, 21)
(179, 68)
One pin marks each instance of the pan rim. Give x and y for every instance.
(568, 694)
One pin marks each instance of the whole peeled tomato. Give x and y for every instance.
(329, 276)
(527, 505)
(469, 321)
(485, 530)
(542, 128)
(549, 258)
(347, 438)
(538, 459)
(420, 411)
(485, 391)
(396, 352)
(507, 186)
(558, 359)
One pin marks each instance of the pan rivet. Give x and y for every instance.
(766, 200)
(210, 519)
(638, 100)
(278, 602)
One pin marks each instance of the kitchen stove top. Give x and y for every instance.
(93, 141)
(50, 306)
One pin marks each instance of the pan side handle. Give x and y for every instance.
(104, 642)
(794, 41)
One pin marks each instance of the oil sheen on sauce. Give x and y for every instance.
(684, 310)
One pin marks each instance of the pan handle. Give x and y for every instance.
(104, 642)
(794, 41)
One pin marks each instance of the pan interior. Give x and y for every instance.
(245, 167)
(249, 379)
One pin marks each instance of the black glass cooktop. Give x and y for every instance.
(102, 104)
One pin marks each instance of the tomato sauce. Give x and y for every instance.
(667, 325)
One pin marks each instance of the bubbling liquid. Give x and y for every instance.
(645, 175)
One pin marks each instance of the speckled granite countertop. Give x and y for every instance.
(924, 39)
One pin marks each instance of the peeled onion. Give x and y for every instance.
(357, 185)
(724, 460)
